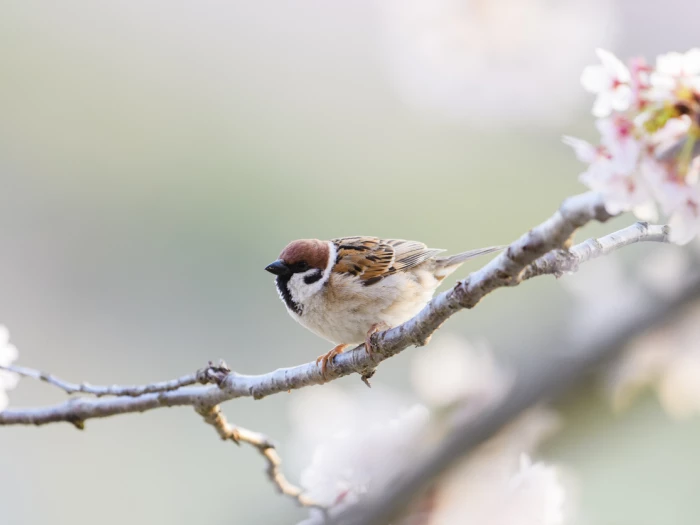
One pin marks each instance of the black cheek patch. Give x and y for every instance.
(314, 277)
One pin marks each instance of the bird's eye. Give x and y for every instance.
(302, 266)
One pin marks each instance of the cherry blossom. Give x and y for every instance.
(675, 71)
(679, 199)
(585, 151)
(640, 81)
(610, 81)
(649, 123)
(613, 169)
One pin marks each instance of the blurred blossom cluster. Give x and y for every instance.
(361, 438)
(498, 483)
(8, 354)
(492, 62)
(500, 490)
(649, 122)
(357, 460)
(668, 358)
(453, 372)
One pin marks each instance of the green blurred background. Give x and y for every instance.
(155, 156)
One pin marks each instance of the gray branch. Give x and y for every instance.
(507, 269)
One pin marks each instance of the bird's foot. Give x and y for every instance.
(376, 327)
(328, 358)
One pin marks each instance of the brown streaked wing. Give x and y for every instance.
(365, 257)
(372, 259)
(408, 254)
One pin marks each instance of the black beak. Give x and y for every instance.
(279, 267)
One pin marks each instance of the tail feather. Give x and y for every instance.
(449, 264)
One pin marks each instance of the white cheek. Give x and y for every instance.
(301, 292)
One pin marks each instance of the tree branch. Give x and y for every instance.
(507, 269)
(213, 416)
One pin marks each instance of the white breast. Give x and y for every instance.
(344, 309)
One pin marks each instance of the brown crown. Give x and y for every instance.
(311, 251)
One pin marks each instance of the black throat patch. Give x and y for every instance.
(282, 283)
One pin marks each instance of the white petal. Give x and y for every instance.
(8, 354)
(585, 151)
(8, 380)
(684, 228)
(608, 131)
(662, 81)
(672, 197)
(625, 154)
(641, 118)
(646, 212)
(615, 68)
(595, 79)
(691, 62)
(661, 92)
(670, 64)
(602, 105)
(597, 176)
(616, 205)
(621, 98)
(694, 83)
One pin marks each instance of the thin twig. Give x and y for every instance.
(100, 391)
(213, 416)
(560, 262)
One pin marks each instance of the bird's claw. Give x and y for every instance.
(376, 327)
(328, 358)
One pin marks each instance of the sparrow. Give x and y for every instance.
(344, 290)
